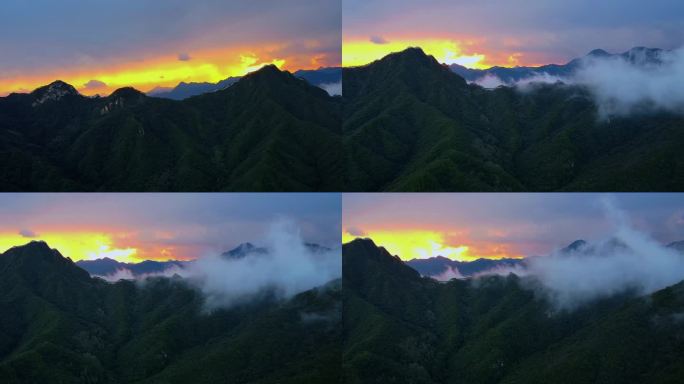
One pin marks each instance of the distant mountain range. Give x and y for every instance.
(401, 328)
(323, 78)
(412, 124)
(640, 56)
(436, 266)
(108, 267)
(270, 131)
(59, 325)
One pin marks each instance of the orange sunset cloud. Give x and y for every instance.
(95, 244)
(165, 70)
(465, 52)
(425, 243)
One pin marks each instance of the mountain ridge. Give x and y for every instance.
(61, 325)
(415, 128)
(106, 266)
(270, 131)
(641, 56)
(438, 265)
(401, 328)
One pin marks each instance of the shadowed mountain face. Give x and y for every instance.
(402, 328)
(269, 131)
(639, 56)
(411, 124)
(59, 325)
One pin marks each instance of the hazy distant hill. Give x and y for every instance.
(318, 77)
(59, 325)
(401, 328)
(268, 132)
(411, 124)
(185, 90)
(107, 266)
(437, 265)
(640, 56)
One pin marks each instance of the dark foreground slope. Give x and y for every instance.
(59, 325)
(269, 132)
(401, 328)
(410, 124)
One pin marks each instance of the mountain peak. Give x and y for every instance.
(63, 85)
(35, 245)
(243, 250)
(368, 246)
(362, 259)
(417, 51)
(267, 75)
(411, 55)
(127, 93)
(269, 70)
(245, 247)
(365, 242)
(37, 254)
(53, 92)
(574, 246)
(269, 67)
(598, 53)
(120, 98)
(34, 248)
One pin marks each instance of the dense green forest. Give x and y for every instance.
(270, 131)
(402, 328)
(59, 325)
(411, 124)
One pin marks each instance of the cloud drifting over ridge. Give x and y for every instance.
(288, 268)
(627, 261)
(333, 89)
(619, 86)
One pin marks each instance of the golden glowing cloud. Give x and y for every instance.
(77, 246)
(163, 71)
(422, 244)
(465, 52)
(99, 243)
(361, 52)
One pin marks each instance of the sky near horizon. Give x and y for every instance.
(102, 45)
(149, 226)
(481, 34)
(470, 226)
